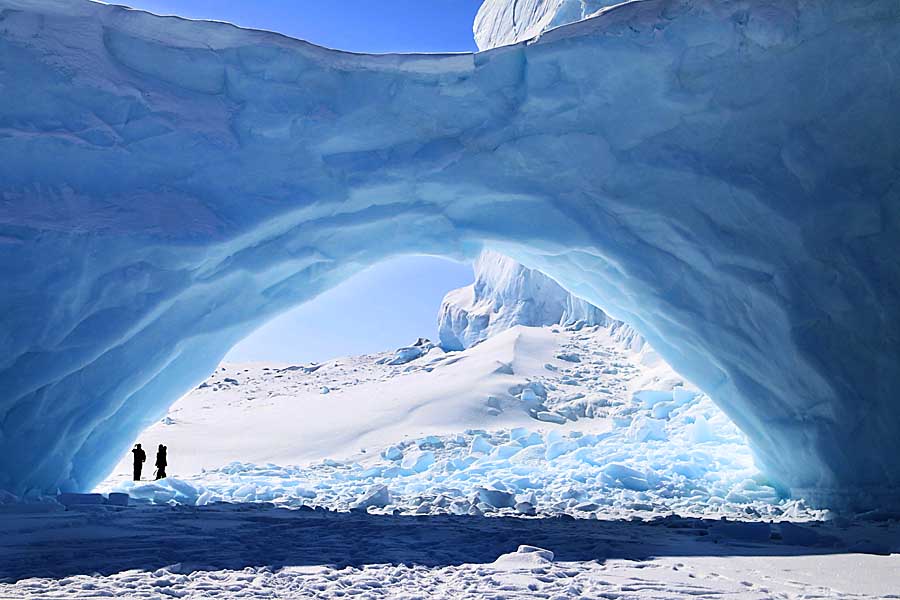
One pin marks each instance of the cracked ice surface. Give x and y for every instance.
(722, 175)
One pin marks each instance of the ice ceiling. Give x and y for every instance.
(724, 175)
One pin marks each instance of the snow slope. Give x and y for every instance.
(258, 413)
(533, 421)
(722, 175)
(505, 294)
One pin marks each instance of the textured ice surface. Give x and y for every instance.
(502, 22)
(722, 175)
(506, 294)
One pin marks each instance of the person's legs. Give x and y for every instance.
(137, 473)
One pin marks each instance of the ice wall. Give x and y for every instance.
(506, 294)
(724, 175)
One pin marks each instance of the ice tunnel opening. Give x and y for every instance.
(387, 305)
(773, 281)
(546, 375)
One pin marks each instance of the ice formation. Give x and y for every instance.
(576, 421)
(505, 294)
(722, 175)
(577, 424)
(519, 471)
(502, 22)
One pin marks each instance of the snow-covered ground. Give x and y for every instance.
(595, 471)
(585, 421)
(258, 551)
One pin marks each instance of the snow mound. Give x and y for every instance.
(526, 557)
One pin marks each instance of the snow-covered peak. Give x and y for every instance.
(506, 294)
(502, 22)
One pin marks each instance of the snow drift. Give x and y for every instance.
(506, 294)
(723, 175)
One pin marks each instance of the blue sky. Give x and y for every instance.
(392, 303)
(357, 25)
(387, 306)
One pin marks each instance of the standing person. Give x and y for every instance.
(161, 462)
(139, 458)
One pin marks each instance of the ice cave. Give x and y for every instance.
(724, 175)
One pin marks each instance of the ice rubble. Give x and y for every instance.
(720, 174)
(505, 294)
(520, 471)
(627, 436)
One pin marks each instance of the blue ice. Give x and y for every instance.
(721, 175)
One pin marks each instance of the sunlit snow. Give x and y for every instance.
(575, 420)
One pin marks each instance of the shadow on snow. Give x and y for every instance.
(234, 536)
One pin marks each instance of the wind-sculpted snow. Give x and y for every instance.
(506, 294)
(723, 175)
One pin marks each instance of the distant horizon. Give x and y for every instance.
(384, 307)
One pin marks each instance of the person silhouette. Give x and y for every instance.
(161, 462)
(139, 458)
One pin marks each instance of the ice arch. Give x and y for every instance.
(722, 174)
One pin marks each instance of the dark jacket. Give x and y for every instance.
(139, 456)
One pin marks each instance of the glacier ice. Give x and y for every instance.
(518, 470)
(502, 22)
(720, 174)
(503, 295)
